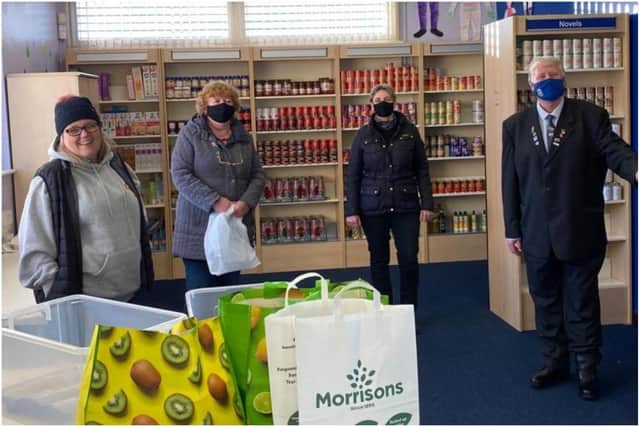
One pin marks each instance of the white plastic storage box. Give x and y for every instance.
(71, 320)
(40, 380)
(203, 302)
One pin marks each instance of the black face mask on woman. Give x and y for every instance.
(383, 109)
(221, 113)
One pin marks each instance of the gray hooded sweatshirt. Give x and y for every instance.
(109, 229)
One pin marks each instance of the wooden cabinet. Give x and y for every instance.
(31, 99)
(509, 45)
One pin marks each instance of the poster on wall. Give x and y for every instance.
(505, 9)
(446, 21)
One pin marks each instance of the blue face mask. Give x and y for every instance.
(549, 89)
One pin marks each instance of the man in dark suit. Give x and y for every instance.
(555, 157)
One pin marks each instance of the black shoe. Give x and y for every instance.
(547, 377)
(588, 388)
(421, 32)
(437, 32)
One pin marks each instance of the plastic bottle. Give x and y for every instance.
(484, 221)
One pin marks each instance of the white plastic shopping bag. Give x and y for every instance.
(358, 364)
(226, 244)
(281, 350)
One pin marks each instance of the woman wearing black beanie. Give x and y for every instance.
(83, 228)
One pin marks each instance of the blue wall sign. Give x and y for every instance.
(571, 24)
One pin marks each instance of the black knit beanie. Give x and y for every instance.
(74, 109)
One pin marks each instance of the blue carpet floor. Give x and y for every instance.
(474, 368)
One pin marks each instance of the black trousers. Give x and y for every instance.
(567, 307)
(406, 229)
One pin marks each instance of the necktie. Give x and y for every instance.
(550, 131)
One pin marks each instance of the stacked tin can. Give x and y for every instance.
(434, 80)
(443, 112)
(295, 118)
(293, 229)
(322, 86)
(458, 185)
(403, 78)
(576, 53)
(355, 116)
(477, 111)
(189, 87)
(295, 152)
(602, 96)
(294, 189)
(453, 146)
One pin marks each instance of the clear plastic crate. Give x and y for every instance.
(203, 303)
(71, 320)
(40, 380)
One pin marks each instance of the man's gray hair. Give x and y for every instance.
(545, 60)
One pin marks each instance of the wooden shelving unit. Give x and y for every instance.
(307, 63)
(456, 59)
(509, 296)
(196, 62)
(377, 57)
(118, 63)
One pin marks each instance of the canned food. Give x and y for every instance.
(300, 188)
(477, 116)
(282, 230)
(567, 61)
(537, 48)
(576, 46)
(283, 190)
(301, 228)
(617, 59)
(587, 59)
(268, 194)
(317, 228)
(547, 47)
(557, 48)
(617, 44)
(577, 60)
(267, 230)
(597, 58)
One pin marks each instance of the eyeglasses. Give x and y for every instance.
(378, 100)
(76, 131)
(224, 162)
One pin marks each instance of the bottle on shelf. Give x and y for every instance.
(442, 220)
(484, 221)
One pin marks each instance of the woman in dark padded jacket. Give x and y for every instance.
(388, 188)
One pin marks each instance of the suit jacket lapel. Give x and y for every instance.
(535, 133)
(564, 126)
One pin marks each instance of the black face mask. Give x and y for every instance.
(220, 113)
(383, 109)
